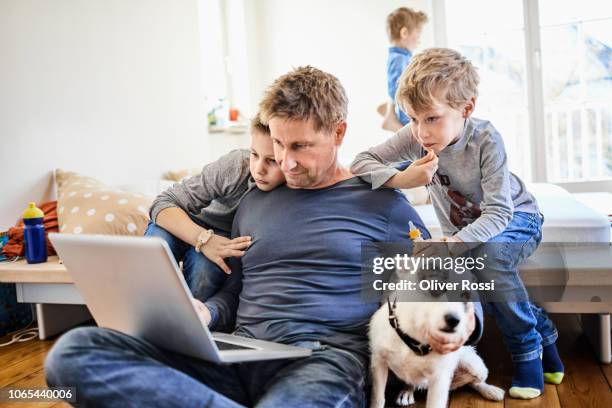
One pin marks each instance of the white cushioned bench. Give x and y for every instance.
(566, 220)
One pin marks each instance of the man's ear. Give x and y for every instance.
(469, 107)
(404, 32)
(339, 133)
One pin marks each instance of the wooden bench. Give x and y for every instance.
(49, 286)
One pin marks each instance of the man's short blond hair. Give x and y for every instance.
(258, 127)
(439, 74)
(404, 17)
(306, 93)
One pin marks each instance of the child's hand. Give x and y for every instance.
(218, 248)
(420, 172)
(431, 248)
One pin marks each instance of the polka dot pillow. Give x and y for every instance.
(88, 206)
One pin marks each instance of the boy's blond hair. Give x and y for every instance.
(258, 127)
(404, 17)
(442, 72)
(306, 93)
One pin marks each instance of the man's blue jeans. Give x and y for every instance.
(526, 327)
(111, 369)
(203, 277)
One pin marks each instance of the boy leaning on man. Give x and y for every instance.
(478, 202)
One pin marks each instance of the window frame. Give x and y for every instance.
(535, 94)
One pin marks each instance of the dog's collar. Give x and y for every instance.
(419, 348)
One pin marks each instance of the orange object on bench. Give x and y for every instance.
(15, 245)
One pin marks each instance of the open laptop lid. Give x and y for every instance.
(126, 286)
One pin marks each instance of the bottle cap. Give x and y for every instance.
(414, 232)
(33, 212)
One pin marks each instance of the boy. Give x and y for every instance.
(195, 216)
(477, 200)
(404, 28)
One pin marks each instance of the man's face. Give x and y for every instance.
(440, 125)
(307, 157)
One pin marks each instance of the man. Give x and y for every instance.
(298, 283)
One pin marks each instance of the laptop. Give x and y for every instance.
(134, 285)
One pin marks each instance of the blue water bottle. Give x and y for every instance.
(34, 235)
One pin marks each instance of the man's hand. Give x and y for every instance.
(442, 345)
(218, 248)
(435, 247)
(202, 310)
(431, 247)
(420, 172)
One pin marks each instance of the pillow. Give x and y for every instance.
(88, 206)
(178, 175)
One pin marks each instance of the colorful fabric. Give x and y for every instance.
(15, 245)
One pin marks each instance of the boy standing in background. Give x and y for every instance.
(404, 28)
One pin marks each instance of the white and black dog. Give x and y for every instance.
(398, 341)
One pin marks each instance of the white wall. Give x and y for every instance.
(344, 37)
(110, 88)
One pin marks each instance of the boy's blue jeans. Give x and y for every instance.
(203, 277)
(526, 327)
(111, 369)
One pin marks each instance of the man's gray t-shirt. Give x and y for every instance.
(212, 197)
(473, 192)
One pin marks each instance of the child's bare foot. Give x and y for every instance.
(390, 121)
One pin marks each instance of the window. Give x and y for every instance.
(568, 102)
(224, 55)
(496, 47)
(213, 50)
(576, 42)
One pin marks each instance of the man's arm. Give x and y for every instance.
(224, 304)
(478, 329)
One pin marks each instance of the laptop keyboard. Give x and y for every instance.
(221, 345)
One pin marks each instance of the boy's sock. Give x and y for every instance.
(528, 380)
(552, 365)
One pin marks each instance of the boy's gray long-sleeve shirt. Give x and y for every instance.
(473, 192)
(212, 197)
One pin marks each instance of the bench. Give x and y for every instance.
(570, 221)
(49, 286)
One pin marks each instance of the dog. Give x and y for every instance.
(398, 341)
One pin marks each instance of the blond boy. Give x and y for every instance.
(404, 29)
(195, 216)
(462, 160)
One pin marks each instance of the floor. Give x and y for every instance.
(587, 383)
(22, 366)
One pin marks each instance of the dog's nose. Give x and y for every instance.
(451, 320)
